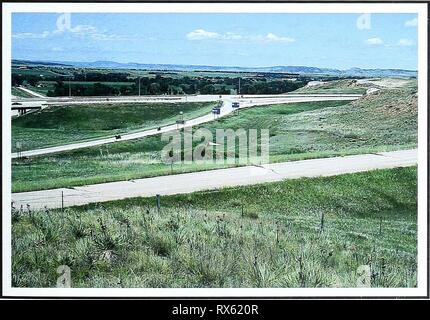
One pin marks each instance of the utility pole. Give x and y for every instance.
(239, 87)
(139, 86)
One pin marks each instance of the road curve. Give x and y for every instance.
(213, 179)
(247, 101)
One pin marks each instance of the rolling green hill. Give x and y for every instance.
(297, 233)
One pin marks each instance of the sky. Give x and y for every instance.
(238, 39)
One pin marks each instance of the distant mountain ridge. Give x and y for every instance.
(358, 72)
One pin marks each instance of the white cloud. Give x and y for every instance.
(83, 29)
(201, 34)
(231, 36)
(30, 35)
(107, 37)
(374, 41)
(94, 33)
(271, 37)
(77, 31)
(412, 23)
(405, 42)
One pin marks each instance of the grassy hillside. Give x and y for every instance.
(269, 235)
(384, 120)
(66, 124)
(335, 86)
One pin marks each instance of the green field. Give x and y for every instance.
(297, 233)
(19, 93)
(66, 124)
(41, 71)
(381, 122)
(44, 87)
(42, 90)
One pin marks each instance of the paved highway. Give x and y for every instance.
(162, 98)
(245, 101)
(213, 179)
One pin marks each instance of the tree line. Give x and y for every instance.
(159, 85)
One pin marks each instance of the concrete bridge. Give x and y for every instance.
(23, 109)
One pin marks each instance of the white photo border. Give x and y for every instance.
(421, 9)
